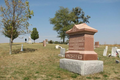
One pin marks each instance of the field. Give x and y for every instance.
(42, 63)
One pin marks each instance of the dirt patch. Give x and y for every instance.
(25, 50)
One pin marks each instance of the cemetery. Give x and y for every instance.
(43, 63)
(61, 61)
(59, 44)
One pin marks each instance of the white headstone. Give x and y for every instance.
(105, 51)
(29, 40)
(113, 51)
(62, 52)
(106, 47)
(21, 47)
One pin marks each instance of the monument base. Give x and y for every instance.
(81, 55)
(83, 67)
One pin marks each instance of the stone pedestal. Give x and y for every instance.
(83, 67)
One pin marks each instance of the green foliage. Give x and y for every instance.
(79, 16)
(88, 77)
(50, 41)
(8, 30)
(34, 34)
(56, 42)
(26, 78)
(15, 15)
(65, 19)
(74, 75)
(105, 75)
(61, 22)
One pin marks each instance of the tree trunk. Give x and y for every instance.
(10, 47)
(34, 41)
(63, 39)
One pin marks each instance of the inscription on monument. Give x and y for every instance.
(74, 56)
(76, 43)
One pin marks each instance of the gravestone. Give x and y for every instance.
(29, 40)
(113, 51)
(62, 52)
(21, 47)
(44, 43)
(96, 44)
(118, 51)
(81, 57)
(105, 51)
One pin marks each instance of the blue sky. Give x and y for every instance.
(105, 17)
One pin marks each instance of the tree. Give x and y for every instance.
(16, 16)
(7, 31)
(34, 34)
(79, 16)
(65, 19)
(62, 22)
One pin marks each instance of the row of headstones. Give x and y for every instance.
(114, 52)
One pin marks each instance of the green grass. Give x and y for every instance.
(42, 63)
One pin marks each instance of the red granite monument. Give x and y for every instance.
(81, 43)
(96, 44)
(44, 43)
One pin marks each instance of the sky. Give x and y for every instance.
(105, 17)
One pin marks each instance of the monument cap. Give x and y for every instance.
(81, 29)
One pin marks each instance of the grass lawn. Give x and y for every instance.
(42, 63)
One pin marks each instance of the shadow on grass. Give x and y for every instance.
(25, 50)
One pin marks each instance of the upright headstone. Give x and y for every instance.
(113, 51)
(29, 40)
(81, 57)
(105, 51)
(44, 43)
(96, 44)
(21, 47)
(62, 52)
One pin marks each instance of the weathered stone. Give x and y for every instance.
(83, 67)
